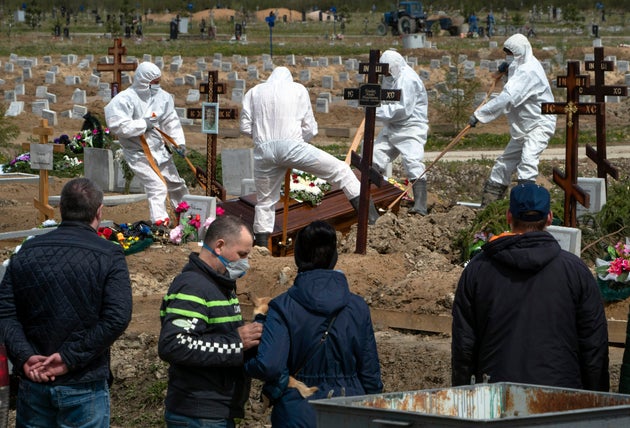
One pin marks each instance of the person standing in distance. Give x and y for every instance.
(278, 115)
(527, 311)
(133, 113)
(406, 125)
(520, 100)
(203, 336)
(64, 300)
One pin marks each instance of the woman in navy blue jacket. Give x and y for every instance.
(343, 362)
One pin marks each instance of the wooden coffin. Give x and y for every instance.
(335, 209)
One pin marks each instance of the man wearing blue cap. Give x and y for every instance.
(527, 311)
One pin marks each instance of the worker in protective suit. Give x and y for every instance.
(278, 115)
(136, 111)
(406, 126)
(527, 87)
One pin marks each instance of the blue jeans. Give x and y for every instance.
(174, 420)
(78, 405)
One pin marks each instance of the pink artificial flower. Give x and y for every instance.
(220, 211)
(176, 234)
(195, 221)
(616, 267)
(182, 207)
(208, 221)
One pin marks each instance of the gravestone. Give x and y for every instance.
(204, 206)
(20, 89)
(343, 76)
(226, 67)
(238, 164)
(252, 72)
(190, 80)
(94, 81)
(596, 189)
(193, 96)
(98, 166)
(79, 96)
(50, 116)
(289, 60)
(9, 67)
(10, 96)
(237, 96)
(38, 106)
(327, 82)
(27, 73)
(569, 238)
(41, 91)
(321, 105)
(15, 108)
(305, 75)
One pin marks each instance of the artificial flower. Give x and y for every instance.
(305, 187)
(616, 269)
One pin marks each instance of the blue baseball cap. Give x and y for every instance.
(529, 202)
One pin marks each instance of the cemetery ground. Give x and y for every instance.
(412, 264)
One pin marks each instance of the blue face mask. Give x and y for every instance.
(235, 269)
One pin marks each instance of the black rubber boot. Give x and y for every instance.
(419, 198)
(492, 192)
(373, 214)
(261, 239)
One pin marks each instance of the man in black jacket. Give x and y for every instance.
(203, 336)
(64, 300)
(527, 311)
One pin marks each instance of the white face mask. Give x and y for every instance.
(154, 88)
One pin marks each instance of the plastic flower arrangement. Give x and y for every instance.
(81, 140)
(307, 188)
(189, 225)
(20, 163)
(617, 269)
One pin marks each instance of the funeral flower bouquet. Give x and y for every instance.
(307, 188)
(189, 225)
(617, 268)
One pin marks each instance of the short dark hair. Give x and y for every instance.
(226, 227)
(528, 226)
(80, 200)
(316, 247)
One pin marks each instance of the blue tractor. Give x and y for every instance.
(408, 19)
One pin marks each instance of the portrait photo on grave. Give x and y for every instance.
(210, 118)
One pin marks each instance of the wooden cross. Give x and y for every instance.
(45, 210)
(572, 110)
(370, 96)
(598, 66)
(117, 51)
(213, 89)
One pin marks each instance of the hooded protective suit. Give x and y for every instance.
(278, 115)
(127, 114)
(526, 89)
(406, 122)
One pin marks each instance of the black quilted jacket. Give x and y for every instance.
(66, 291)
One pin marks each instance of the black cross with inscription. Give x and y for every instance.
(213, 89)
(572, 110)
(369, 96)
(598, 66)
(117, 51)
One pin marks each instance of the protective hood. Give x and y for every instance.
(395, 61)
(520, 47)
(145, 74)
(280, 75)
(529, 251)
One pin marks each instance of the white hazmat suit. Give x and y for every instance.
(520, 100)
(128, 116)
(278, 115)
(406, 125)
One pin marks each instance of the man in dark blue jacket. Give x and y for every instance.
(64, 300)
(527, 311)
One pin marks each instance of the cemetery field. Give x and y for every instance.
(412, 264)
